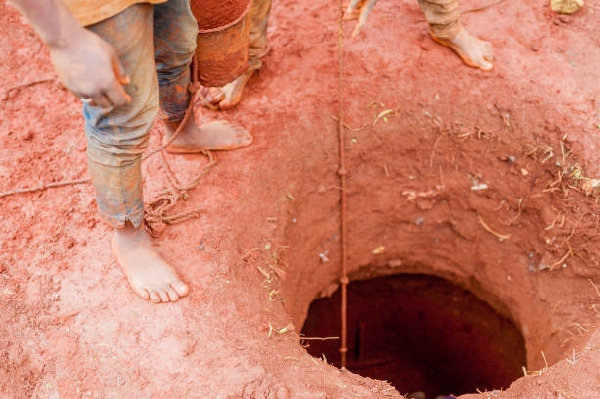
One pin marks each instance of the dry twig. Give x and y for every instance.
(501, 237)
(317, 338)
(594, 285)
(44, 186)
(348, 127)
(24, 85)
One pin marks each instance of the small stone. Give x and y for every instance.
(70, 242)
(566, 6)
(378, 250)
(28, 136)
(223, 269)
(323, 256)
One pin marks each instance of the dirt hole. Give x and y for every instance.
(420, 333)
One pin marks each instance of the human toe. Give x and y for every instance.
(485, 64)
(140, 291)
(180, 288)
(154, 297)
(173, 296)
(211, 97)
(162, 294)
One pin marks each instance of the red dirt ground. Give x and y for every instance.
(526, 243)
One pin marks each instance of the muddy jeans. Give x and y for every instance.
(155, 45)
(443, 17)
(259, 20)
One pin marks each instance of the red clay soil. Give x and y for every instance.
(486, 179)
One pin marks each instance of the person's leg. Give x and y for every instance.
(228, 96)
(175, 31)
(445, 28)
(116, 138)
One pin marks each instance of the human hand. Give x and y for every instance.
(359, 9)
(89, 68)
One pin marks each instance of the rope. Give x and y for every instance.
(342, 172)
(155, 216)
(44, 186)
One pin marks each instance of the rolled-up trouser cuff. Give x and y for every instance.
(119, 190)
(443, 17)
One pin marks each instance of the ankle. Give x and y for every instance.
(130, 233)
(171, 126)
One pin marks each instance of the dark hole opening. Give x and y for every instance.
(421, 333)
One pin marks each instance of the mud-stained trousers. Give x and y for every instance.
(259, 21)
(155, 45)
(443, 17)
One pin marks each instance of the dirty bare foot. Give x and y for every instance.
(359, 9)
(215, 135)
(473, 51)
(228, 96)
(149, 275)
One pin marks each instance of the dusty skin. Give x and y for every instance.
(215, 135)
(228, 96)
(473, 51)
(149, 275)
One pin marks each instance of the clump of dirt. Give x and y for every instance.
(476, 177)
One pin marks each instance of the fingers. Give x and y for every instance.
(119, 71)
(100, 101)
(117, 95)
(114, 96)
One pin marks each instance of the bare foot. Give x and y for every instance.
(228, 96)
(473, 51)
(216, 135)
(149, 275)
(359, 9)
